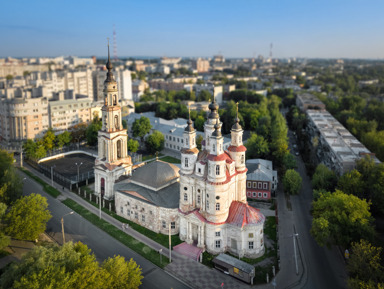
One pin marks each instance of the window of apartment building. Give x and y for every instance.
(249, 185)
(143, 218)
(178, 140)
(265, 186)
(250, 245)
(136, 215)
(218, 243)
(259, 185)
(217, 206)
(259, 195)
(182, 141)
(164, 224)
(173, 225)
(265, 195)
(254, 185)
(254, 194)
(217, 234)
(174, 139)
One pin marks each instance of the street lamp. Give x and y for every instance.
(62, 225)
(78, 173)
(52, 174)
(294, 249)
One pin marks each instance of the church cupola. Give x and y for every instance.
(189, 151)
(237, 149)
(213, 118)
(217, 140)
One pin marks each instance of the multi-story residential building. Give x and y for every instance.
(201, 65)
(307, 101)
(261, 179)
(215, 91)
(167, 85)
(335, 146)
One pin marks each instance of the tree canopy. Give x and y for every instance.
(155, 142)
(339, 219)
(133, 145)
(93, 130)
(27, 217)
(324, 178)
(292, 182)
(141, 127)
(71, 266)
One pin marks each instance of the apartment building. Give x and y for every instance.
(335, 146)
(307, 101)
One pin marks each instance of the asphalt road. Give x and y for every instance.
(78, 229)
(325, 267)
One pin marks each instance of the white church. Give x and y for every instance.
(204, 202)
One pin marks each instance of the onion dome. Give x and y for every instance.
(217, 132)
(109, 67)
(237, 125)
(189, 127)
(213, 106)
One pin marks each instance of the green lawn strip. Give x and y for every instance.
(171, 160)
(148, 157)
(127, 240)
(47, 188)
(157, 237)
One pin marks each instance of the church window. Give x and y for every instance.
(198, 190)
(185, 197)
(217, 206)
(242, 159)
(164, 224)
(136, 215)
(136, 207)
(218, 243)
(116, 121)
(217, 170)
(207, 205)
(239, 139)
(114, 100)
(150, 212)
(122, 210)
(173, 225)
(185, 188)
(261, 241)
(198, 199)
(217, 197)
(128, 213)
(186, 162)
(127, 203)
(143, 218)
(193, 140)
(250, 245)
(217, 234)
(213, 148)
(261, 231)
(182, 141)
(118, 148)
(250, 235)
(199, 170)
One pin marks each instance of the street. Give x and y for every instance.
(78, 229)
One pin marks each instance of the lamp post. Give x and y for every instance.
(294, 249)
(52, 174)
(78, 173)
(62, 225)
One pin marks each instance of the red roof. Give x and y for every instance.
(241, 214)
(237, 148)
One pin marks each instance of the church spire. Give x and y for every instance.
(214, 108)
(189, 127)
(109, 67)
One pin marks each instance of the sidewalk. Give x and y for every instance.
(191, 272)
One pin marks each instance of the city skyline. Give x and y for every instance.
(330, 29)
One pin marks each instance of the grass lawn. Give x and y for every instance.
(148, 157)
(171, 160)
(47, 188)
(119, 235)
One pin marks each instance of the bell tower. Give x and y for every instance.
(113, 160)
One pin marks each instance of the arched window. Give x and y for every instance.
(116, 121)
(185, 197)
(115, 100)
(207, 205)
(213, 148)
(198, 199)
(242, 159)
(217, 170)
(118, 149)
(105, 149)
(239, 139)
(217, 206)
(186, 162)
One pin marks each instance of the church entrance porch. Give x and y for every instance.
(195, 234)
(189, 251)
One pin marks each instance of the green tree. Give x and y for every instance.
(11, 186)
(141, 127)
(257, 146)
(70, 266)
(199, 123)
(30, 148)
(63, 139)
(9, 77)
(204, 95)
(199, 139)
(49, 139)
(93, 130)
(133, 145)
(40, 152)
(4, 240)
(289, 161)
(292, 182)
(155, 142)
(27, 218)
(78, 132)
(125, 124)
(339, 219)
(352, 183)
(6, 160)
(324, 178)
(364, 266)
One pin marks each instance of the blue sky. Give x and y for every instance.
(237, 28)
